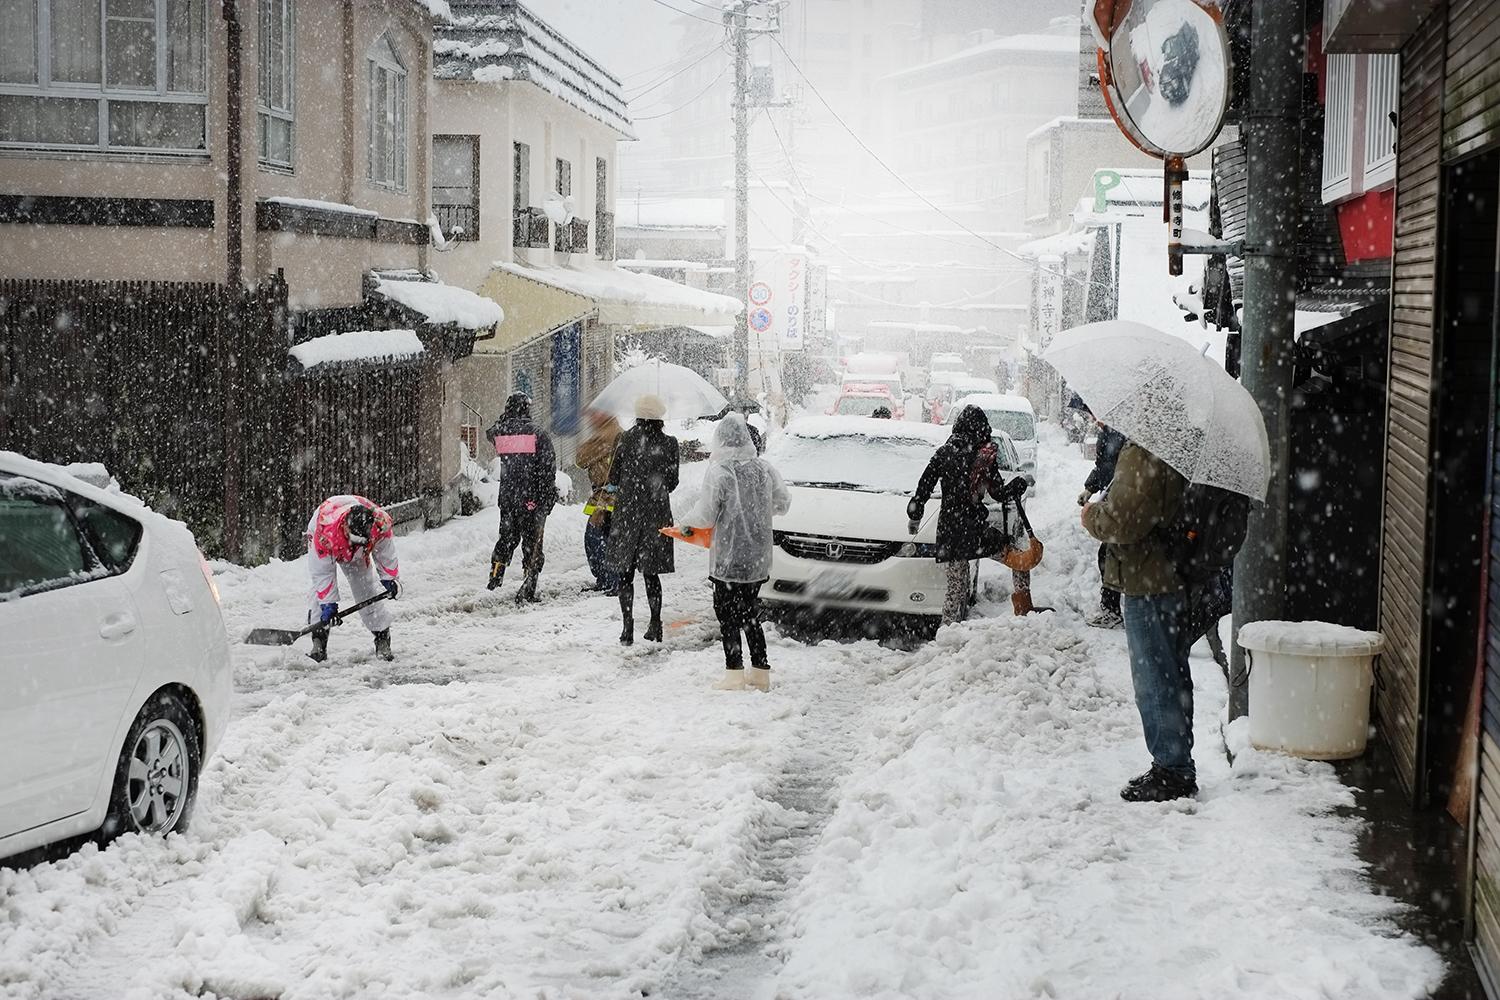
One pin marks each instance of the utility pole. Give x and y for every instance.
(1273, 139)
(738, 27)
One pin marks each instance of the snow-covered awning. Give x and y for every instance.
(539, 300)
(439, 303)
(1059, 245)
(358, 346)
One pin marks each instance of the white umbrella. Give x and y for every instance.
(687, 394)
(1164, 395)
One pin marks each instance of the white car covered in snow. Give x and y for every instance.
(115, 672)
(845, 545)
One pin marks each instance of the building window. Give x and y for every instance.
(274, 98)
(455, 184)
(564, 178)
(118, 75)
(387, 116)
(1383, 95)
(521, 189)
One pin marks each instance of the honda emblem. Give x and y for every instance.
(835, 551)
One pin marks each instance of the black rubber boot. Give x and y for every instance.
(383, 645)
(497, 574)
(627, 633)
(320, 646)
(527, 593)
(1157, 785)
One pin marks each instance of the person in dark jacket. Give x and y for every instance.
(1108, 443)
(966, 465)
(642, 478)
(528, 490)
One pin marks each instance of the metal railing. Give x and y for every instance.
(530, 228)
(461, 217)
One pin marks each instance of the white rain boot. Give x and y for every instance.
(759, 678)
(733, 680)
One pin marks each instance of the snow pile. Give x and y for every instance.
(982, 849)
(442, 303)
(359, 345)
(485, 48)
(437, 8)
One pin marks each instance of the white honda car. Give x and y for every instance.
(114, 665)
(845, 544)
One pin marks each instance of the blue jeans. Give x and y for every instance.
(1159, 649)
(595, 542)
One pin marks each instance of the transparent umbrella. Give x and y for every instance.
(687, 394)
(1160, 392)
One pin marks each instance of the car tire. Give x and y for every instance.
(156, 779)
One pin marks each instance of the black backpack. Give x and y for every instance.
(1206, 533)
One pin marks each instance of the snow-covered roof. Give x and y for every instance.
(442, 303)
(437, 8)
(676, 213)
(646, 264)
(359, 345)
(625, 297)
(492, 41)
(1059, 245)
(991, 53)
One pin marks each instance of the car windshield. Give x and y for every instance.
(862, 406)
(852, 461)
(1020, 426)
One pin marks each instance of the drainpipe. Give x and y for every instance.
(1273, 139)
(234, 223)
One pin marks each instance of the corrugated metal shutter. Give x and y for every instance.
(1485, 892)
(1471, 102)
(1403, 562)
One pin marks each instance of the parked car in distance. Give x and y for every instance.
(862, 399)
(115, 671)
(1012, 415)
(947, 363)
(845, 543)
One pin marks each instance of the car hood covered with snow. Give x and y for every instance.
(819, 510)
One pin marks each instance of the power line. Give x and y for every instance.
(902, 180)
(694, 100)
(686, 13)
(668, 79)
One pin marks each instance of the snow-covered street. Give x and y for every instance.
(516, 807)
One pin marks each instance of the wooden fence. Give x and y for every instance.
(184, 391)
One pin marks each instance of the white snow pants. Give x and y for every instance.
(363, 583)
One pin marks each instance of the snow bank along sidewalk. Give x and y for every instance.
(980, 847)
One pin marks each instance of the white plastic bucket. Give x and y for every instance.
(1310, 687)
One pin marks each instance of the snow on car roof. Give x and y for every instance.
(865, 389)
(995, 401)
(842, 426)
(59, 477)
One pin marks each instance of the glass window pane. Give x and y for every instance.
(75, 41)
(18, 41)
(279, 141)
(114, 536)
(41, 545)
(130, 8)
(61, 121)
(185, 26)
(130, 47)
(155, 125)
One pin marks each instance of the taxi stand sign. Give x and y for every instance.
(776, 308)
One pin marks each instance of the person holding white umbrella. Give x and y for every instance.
(1173, 516)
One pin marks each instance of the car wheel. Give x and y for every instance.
(157, 777)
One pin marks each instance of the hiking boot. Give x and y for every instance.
(653, 631)
(497, 574)
(1105, 618)
(1157, 785)
(383, 644)
(320, 646)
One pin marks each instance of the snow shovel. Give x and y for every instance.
(285, 637)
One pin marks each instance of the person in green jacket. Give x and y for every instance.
(1142, 500)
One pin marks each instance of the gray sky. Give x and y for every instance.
(626, 36)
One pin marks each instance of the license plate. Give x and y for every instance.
(833, 584)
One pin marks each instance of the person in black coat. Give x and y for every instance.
(528, 491)
(642, 478)
(1108, 444)
(967, 468)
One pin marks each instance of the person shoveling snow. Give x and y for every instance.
(355, 535)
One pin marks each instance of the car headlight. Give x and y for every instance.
(917, 550)
(908, 550)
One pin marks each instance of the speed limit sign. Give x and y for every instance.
(760, 293)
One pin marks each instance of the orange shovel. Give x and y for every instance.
(693, 536)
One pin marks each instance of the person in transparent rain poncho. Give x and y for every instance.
(741, 494)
